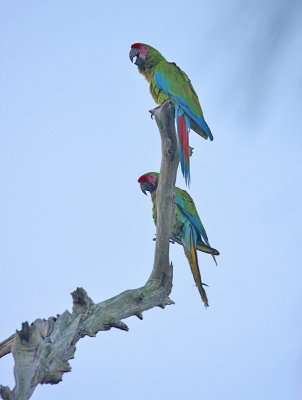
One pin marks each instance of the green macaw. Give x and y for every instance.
(169, 82)
(188, 229)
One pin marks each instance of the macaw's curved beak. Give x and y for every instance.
(147, 187)
(134, 52)
(143, 188)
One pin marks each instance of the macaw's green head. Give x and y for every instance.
(144, 56)
(149, 182)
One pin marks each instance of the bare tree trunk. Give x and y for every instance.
(42, 350)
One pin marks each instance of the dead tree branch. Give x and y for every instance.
(42, 349)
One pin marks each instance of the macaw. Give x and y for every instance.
(188, 229)
(169, 82)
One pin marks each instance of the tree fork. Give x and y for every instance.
(42, 350)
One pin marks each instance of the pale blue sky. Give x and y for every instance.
(75, 134)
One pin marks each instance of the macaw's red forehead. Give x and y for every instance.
(149, 177)
(142, 178)
(136, 46)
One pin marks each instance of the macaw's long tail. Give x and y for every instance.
(183, 129)
(191, 255)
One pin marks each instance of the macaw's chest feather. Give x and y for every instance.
(159, 96)
(178, 221)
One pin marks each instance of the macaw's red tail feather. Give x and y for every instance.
(184, 150)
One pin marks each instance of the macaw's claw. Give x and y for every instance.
(191, 151)
(172, 241)
(154, 110)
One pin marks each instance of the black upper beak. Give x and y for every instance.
(147, 187)
(143, 188)
(134, 52)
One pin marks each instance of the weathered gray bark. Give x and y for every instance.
(42, 349)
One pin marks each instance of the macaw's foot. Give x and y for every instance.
(154, 111)
(191, 151)
(157, 109)
(172, 241)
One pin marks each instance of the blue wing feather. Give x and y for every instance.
(164, 84)
(195, 221)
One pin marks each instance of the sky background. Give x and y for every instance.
(75, 134)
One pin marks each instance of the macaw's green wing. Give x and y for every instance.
(188, 210)
(170, 79)
(186, 205)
